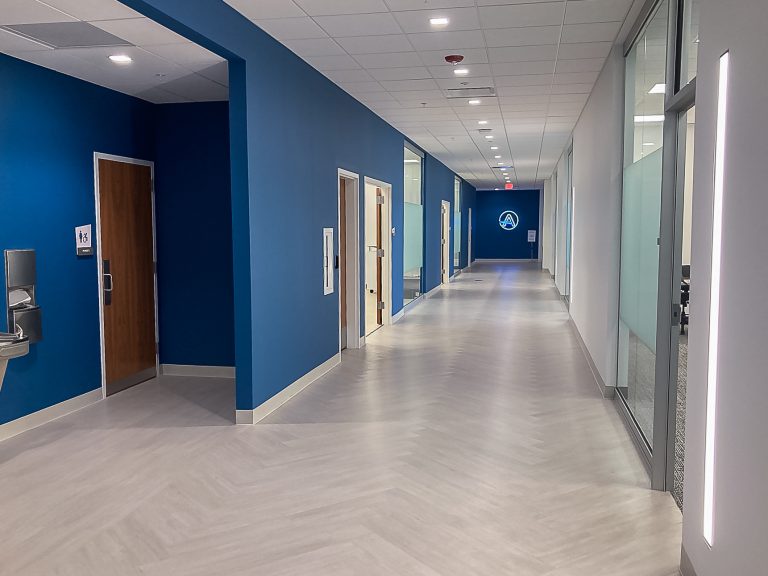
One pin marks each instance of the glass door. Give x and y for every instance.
(641, 221)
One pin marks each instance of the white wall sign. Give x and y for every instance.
(531, 235)
(328, 264)
(83, 240)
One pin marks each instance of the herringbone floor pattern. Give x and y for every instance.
(468, 439)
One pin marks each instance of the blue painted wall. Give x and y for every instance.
(194, 234)
(468, 200)
(291, 130)
(492, 241)
(50, 126)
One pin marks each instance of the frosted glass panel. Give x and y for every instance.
(639, 247)
(413, 234)
(413, 227)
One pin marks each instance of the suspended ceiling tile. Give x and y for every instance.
(310, 47)
(140, 31)
(30, 12)
(292, 28)
(523, 53)
(393, 60)
(451, 42)
(261, 9)
(594, 32)
(358, 24)
(411, 73)
(533, 36)
(375, 44)
(91, 10)
(415, 21)
(583, 11)
(13, 43)
(336, 7)
(522, 15)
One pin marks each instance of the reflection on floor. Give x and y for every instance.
(468, 439)
(682, 386)
(641, 384)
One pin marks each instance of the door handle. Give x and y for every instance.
(108, 283)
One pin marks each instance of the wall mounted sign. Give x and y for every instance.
(509, 220)
(83, 240)
(531, 235)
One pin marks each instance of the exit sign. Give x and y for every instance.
(509, 186)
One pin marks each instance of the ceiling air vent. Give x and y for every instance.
(66, 35)
(487, 92)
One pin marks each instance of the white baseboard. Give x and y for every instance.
(260, 412)
(434, 291)
(199, 371)
(399, 316)
(49, 414)
(501, 260)
(605, 390)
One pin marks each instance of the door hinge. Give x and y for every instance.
(380, 305)
(379, 199)
(380, 253)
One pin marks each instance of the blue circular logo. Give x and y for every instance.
(509, 220)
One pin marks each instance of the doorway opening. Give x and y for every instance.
(445, 242)
(378, 249)
(348, 259)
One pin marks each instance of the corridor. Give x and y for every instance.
(469, 438)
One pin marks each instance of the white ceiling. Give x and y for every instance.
(541, 56)
(166, 67)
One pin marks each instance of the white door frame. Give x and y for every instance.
(386, 262)
(469, 237)
(352, 264)
(445, 242)
(100, 262)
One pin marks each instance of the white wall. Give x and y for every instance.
(741, 470)
(597, 180)
(547, 228)
(561, 224)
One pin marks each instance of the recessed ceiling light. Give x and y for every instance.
(654, 118)
(489, 137)
(482, 122)
(649, 143)
(439, 21)
(497, 157)
(658, 89)
(494, 147)
(474, 102)
(411, 161)
(500, 163)
(461, 71)
(121, 59)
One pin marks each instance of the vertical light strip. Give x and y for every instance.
(714, 303)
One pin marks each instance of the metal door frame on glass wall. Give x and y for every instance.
(659, 453)
(413, 223)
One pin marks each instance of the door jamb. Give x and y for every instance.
(354, 340)
(386, 226)
(99, 261)
(446, 257)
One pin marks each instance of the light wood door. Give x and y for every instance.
(343, 258)
(379, 257)
(127, 250)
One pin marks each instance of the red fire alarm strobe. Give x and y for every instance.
(454, 59)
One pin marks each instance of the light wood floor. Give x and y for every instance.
(468, 439)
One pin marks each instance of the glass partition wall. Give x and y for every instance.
(413, 226)
(660, 70)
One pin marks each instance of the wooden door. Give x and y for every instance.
(379, 257)
(127, 250)
(343, 258)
